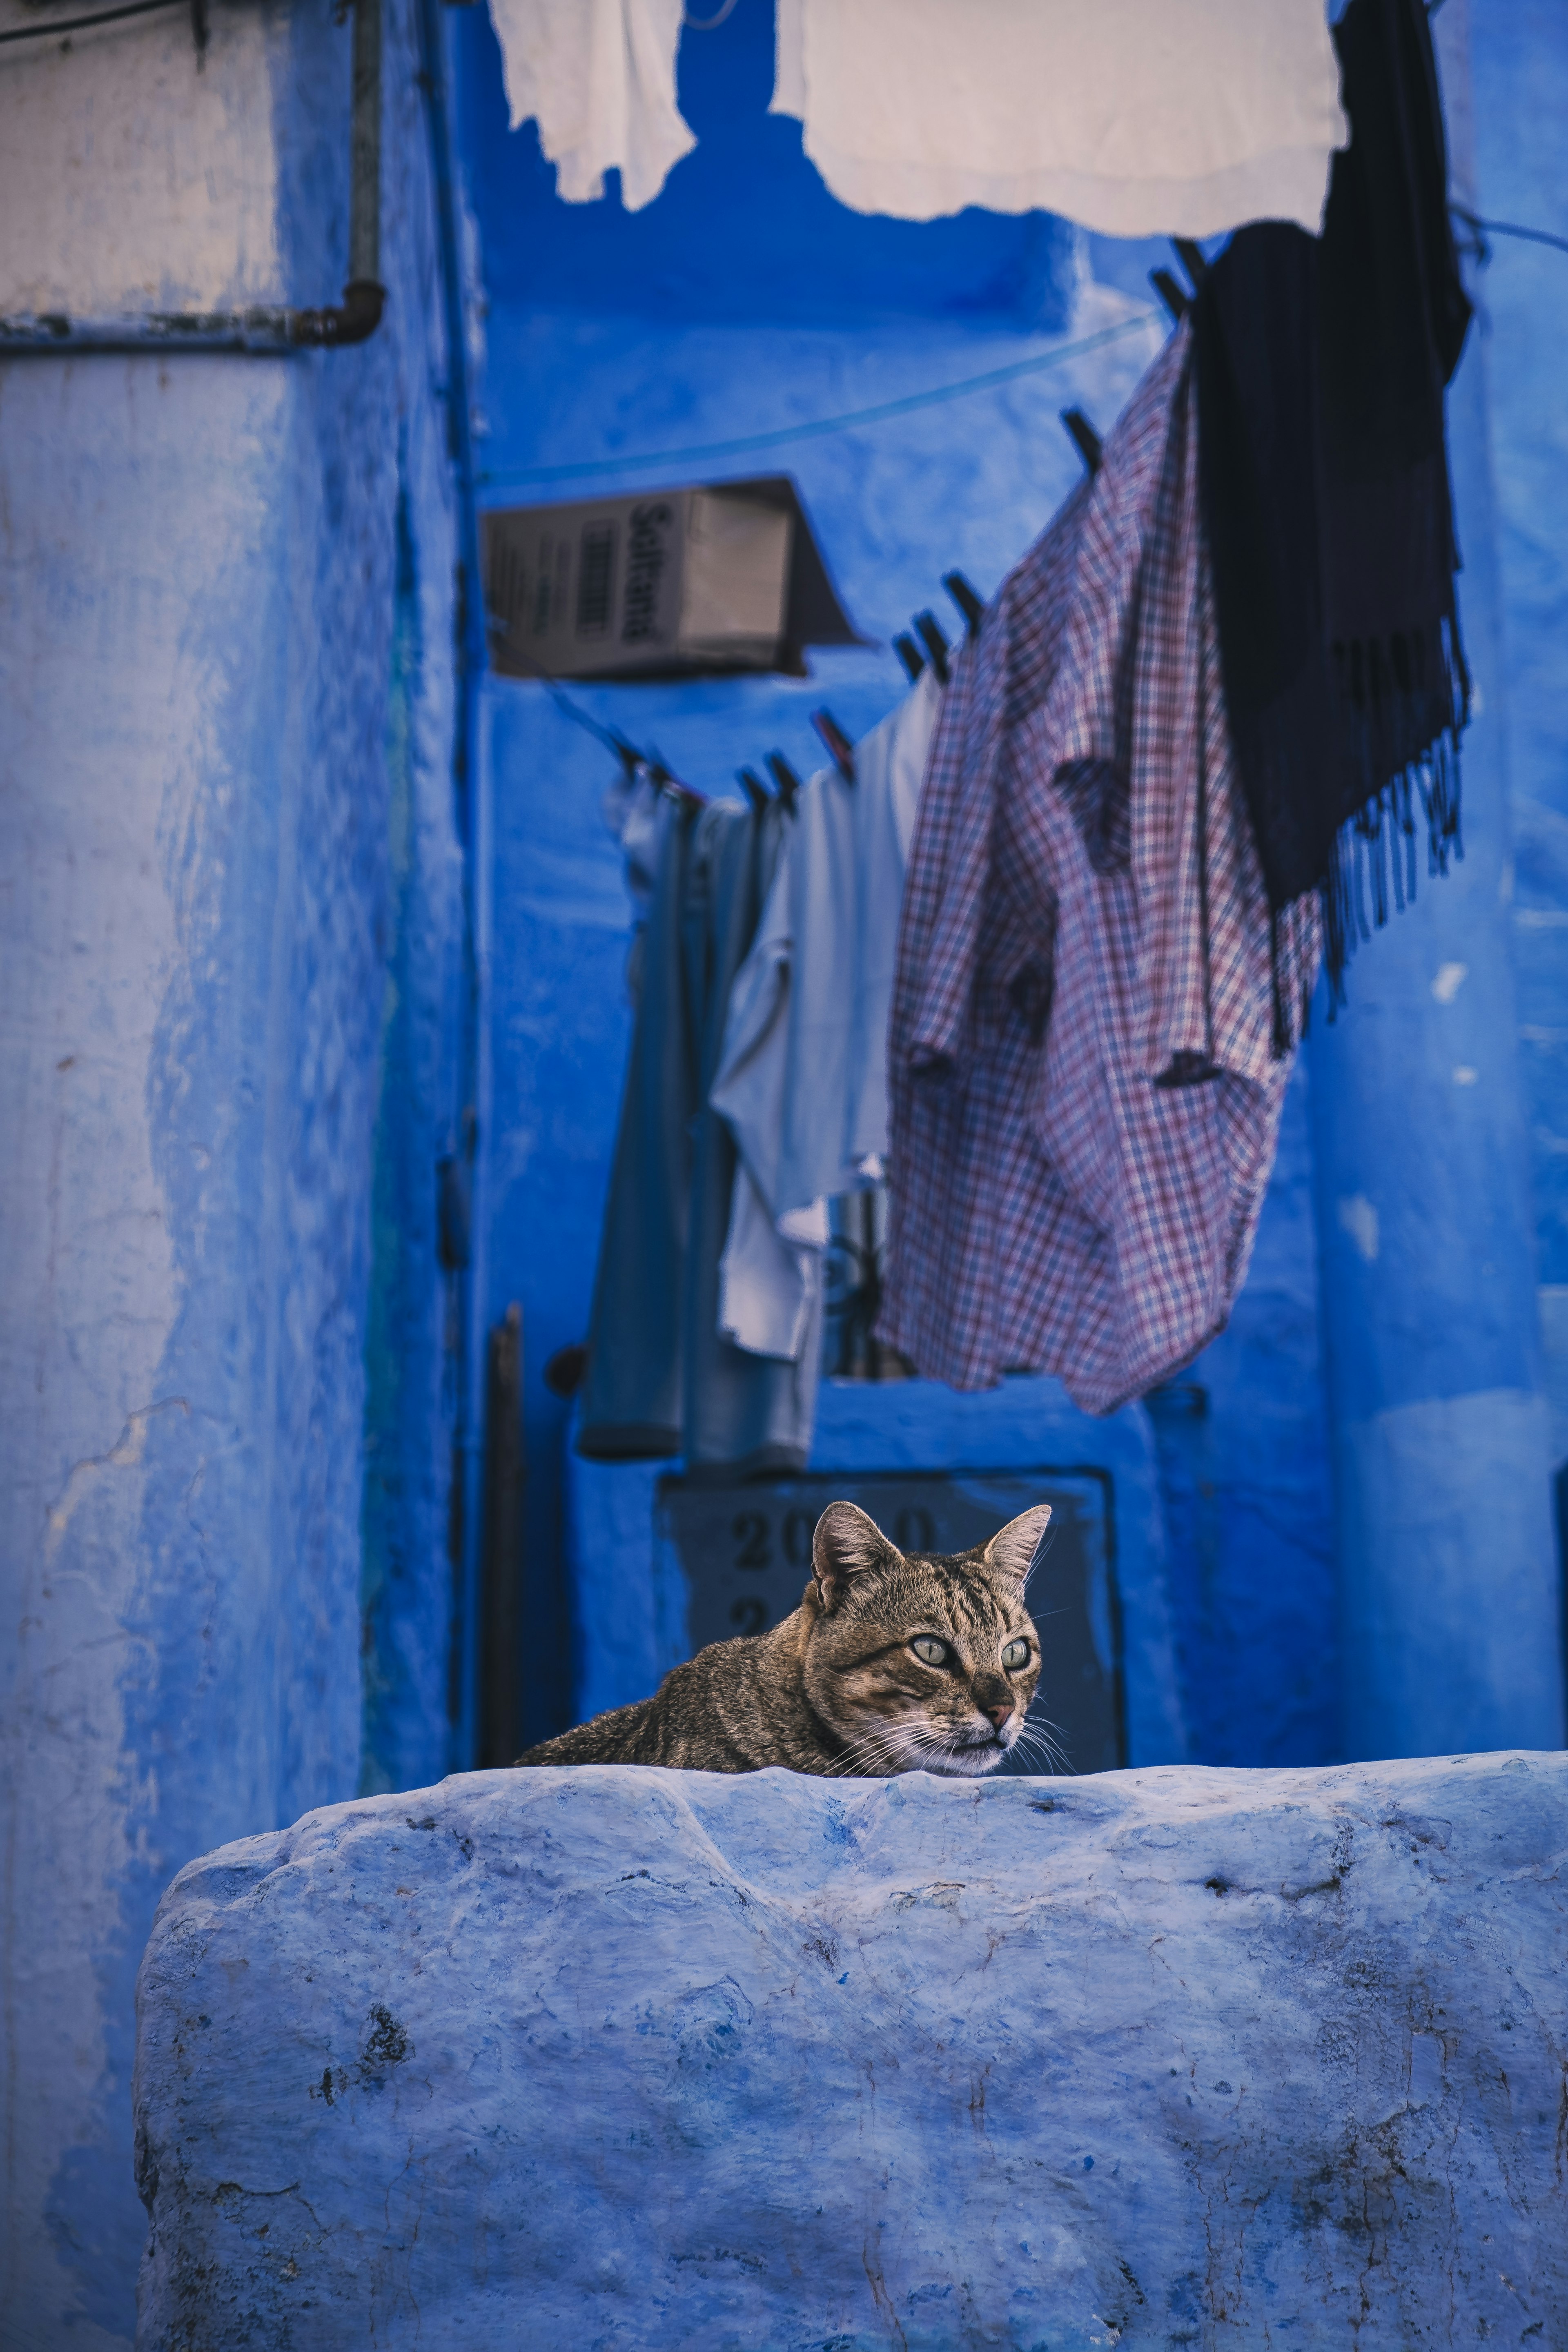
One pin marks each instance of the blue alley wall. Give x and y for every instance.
(1449, 1576)
(744, 299)
(234, 931)
(1521, 102)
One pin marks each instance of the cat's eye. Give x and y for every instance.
(929, 1650)
(1014, 1655)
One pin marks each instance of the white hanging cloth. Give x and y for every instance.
(599, 75)
(802, 1079)
(1137, 118)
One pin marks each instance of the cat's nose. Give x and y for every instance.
(999, 1715)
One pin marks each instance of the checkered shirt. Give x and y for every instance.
(1085, 1097)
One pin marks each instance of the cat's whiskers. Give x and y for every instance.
(883, 1743)
(906, 1746)
(1035, 1740)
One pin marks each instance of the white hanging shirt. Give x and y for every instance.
(1137, 118)
(599, 75)
(802, 1079)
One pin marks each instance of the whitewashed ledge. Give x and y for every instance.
(617, 2060)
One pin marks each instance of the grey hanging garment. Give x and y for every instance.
(631, 1396)
(745, 1415)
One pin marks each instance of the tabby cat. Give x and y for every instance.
(893, 1662)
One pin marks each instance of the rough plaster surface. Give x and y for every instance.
(205, 863)
(632, 2059)
(130, 179)
(1519, 66)
(1421, 1115)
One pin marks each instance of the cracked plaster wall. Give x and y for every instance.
(207, 894)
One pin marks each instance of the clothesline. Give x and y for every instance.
(840, 748)
(815, 427)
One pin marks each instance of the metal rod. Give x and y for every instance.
(83, 24)
(364, 153)
(266, 331)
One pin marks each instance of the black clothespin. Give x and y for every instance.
(1176, 298)
(935, 645)
(756, 792)
(784, 777)
(840, 749)
(910, 654)
(1085, 440)
(968, 600)
(669, 783)
(1191, 256)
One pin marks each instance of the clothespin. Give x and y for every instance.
(1176, 298)
(1085, 438)
(1191, 256)
(754, 789)
(690, 800)
(910, 654)
(784, 777)
(935, 645)
(840, 749)
(968, 600)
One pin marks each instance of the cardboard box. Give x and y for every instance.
(706, 580)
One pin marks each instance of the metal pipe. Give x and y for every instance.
(264, 330)
(471, 650)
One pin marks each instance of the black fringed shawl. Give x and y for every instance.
(1321, 367)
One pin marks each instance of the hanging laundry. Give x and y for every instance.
(1085, 1097)
(660, 1381)
(803, 1078)
(599, 77)
(1322, 368)
(743, 1416)
(631, 1396)
(1139, 118)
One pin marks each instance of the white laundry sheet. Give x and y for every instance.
(803, 1078)
(599, 77)
(1137, 118)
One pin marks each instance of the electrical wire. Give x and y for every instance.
(821, 425)
(81, 23)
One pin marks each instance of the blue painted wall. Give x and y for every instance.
(744, 301)
(1519, 69)
(231, 877)
(235, 970)
(1448, 1568)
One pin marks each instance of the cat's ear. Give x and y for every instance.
(1014, 1550)
(846, 1545)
